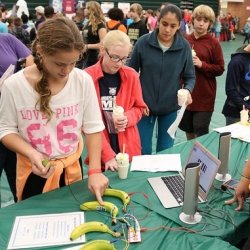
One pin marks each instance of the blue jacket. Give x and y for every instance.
(162, 74)
(237, 84)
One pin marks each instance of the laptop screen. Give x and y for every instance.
(209, 165)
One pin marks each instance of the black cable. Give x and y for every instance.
(215, 216)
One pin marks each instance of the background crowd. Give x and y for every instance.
(124, 60)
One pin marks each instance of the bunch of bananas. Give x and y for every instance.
(98, 245)
(92, 226)
(107, 206)
(99, 226)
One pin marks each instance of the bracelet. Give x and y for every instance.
(94, 171)
(245, 176)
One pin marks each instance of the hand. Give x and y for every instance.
(111, 164)
(241, 193)
(97, 184)
(189, 99)
(197, 62)
(121, 123)
(145, 111)
(37, 167)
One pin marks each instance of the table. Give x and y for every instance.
(217, 233)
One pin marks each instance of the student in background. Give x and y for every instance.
(117, 84)
(237, 85)
(138, 27)
(151, 20)
(209, 63)
(11, 50)
(93, 32)
(164, 61)
(22, 7)
(247, 31)
(3, 26)
(20, 33)
(116, 17)
(217, 28)
(39, 16)
(44, 110)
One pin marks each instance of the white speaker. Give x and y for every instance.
(189, 213)
(224, 156)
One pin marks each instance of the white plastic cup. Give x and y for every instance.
(123, 171)
(118, 112)
(244, 117)
(193, 52)
(122, 160)
(182, 95)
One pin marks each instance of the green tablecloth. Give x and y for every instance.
(220, 227)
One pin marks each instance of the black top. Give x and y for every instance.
(109, 87)
(136, 30)
(92, 55)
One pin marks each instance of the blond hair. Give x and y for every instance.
(96, 15)
(204, 11)
(136, 7)
(116, 37)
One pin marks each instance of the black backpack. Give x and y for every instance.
(23, 35)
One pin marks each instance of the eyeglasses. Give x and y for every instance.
(115, 58)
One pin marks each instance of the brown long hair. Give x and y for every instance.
(53, 36)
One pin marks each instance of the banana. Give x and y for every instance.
(119, 194)
(108, 206)
(91, 226)
(45, 162)
(98, 244)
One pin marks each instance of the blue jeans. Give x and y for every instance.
(146, 129)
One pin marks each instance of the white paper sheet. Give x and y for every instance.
(45, 230)
(238, 131)
(174, 126)
(156, 163)
(6, 74)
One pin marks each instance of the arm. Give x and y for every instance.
(213, 68)
(135, 61)
(188, 74)
(108, 154)
(101, 33)
(97, 182)
(17, 144)
(134, 114)
(243, 189)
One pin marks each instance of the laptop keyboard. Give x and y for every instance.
(175, 185)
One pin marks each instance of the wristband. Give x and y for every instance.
(245, 176)
(94, 171)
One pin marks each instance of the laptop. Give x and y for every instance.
(170, 189)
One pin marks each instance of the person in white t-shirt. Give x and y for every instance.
(22, 8)
(45, 108)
